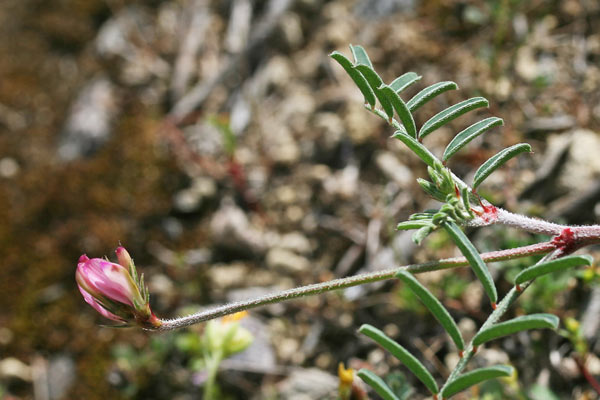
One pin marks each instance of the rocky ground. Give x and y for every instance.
(220, 144)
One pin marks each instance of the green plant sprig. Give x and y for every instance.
(460, 206)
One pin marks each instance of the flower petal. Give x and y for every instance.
(99, 276)
(103, 311)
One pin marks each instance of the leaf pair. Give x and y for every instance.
(527, 322)
(403, 355)
(535, 321)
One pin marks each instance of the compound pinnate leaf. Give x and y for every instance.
(429, 93)
(559, 264)
(375, 82)
(401, 109)
(421, 151)
(496, 161)
(404, 81)
(434, 305)
(402, 355)
(377, 384)
(465, 136)
(474, 377)
(518, 324)
(356, 76)
(472, 255)
(450, 113)
(360, 55)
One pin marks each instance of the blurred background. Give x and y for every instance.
(218, 142)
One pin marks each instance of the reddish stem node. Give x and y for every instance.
(494, 305)
(461, 353)
(565, 241)
(475, 348)
(518, 287)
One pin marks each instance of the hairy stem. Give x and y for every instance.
(584, 234)
(317, 288)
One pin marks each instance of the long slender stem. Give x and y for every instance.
(317, 288)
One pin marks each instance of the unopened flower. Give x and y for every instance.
(346, 378)
(115, 290)
(348, 388)
(226, 335)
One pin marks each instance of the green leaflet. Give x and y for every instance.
(496, 161)
(402, 355)
(375, 82)
(404, 81)
(431, 189)
(407, 225)
(474, 377)
(422, 233)
(450, 113)
(421, 151)
(401, 109)
(559, 264)
(360, 56)
(356, 76)
(472, 255)
(427, 214)
(429, 93)
(377, 384)
(466, 203)
(464, 137)
(434, 305)
(518, 324)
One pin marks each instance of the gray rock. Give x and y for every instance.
(61, 376)
(296, 242)
(329, 129)
(238, 28)
(9, 167)
(376, 9)
(113, 39)
(308, 384)
(205, 138)
(343, 183)
(286, 260)
(231, 230)
(118, 43)
(259, 356)
(549, 124)
(393, 168)
(190, 199)
(11, 367)
(89, 122)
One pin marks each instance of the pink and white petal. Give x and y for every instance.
(103, 311)
(111, 280)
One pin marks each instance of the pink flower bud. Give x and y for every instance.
(123, 256)
(114, 290)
